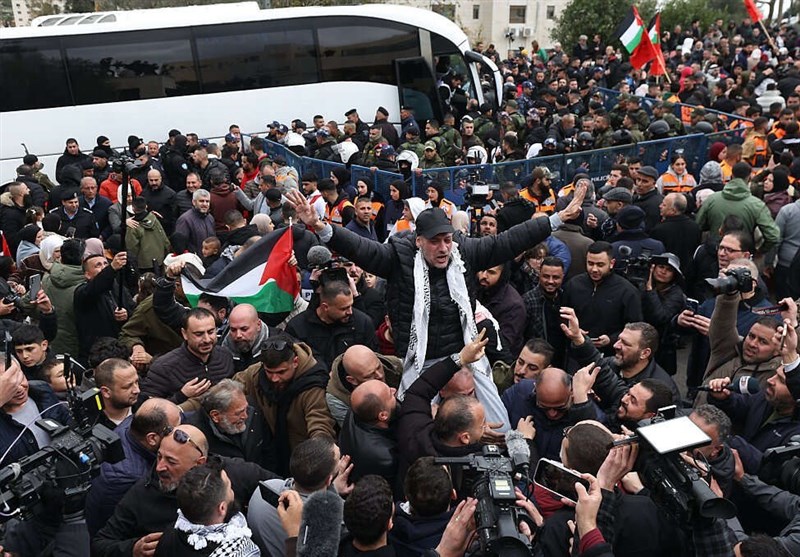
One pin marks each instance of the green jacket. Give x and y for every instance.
(60, 285)
(145, 328)
(147, 242)
(736, 199)
(415, 146)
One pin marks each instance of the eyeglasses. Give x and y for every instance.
(181, 437)
(726, 249)
(567, 430)
(279, 345)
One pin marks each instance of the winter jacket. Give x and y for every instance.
(415, 426)
(116, 220)
(586, 353)
(373, 450)
(394, 260)
(66, 160)
(253, 445)
(83, 223)
(736, 199)
(12, 221)
(508, 309)
(659, 308)
(243, 360)
(520, 401)
(680, 235)
(411, 535)
(671, 182)
(578, 244)
(779, 504)
(638, 242)
(726, 348)
(146, 509)
(146, 329)
(297, 413)
(223, 199)
(605, 308)
(338, 391)
(330, 340)
(44, 397)
(95, 301)
(116, 479)
(148, 242)
(162, 201)
(788, 223)
(174, 369)
(650, 203)
(196, 227)
(59, 285)
(756, 426)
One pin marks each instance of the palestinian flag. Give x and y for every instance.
(752, 10)
(658, 67)
(4, 250)
(261, 276)
(631, 32)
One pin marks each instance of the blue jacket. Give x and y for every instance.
(749, 414)
(520, 401)
(44, 397)
(116, 479)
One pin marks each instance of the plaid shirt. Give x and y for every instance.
(535, 303)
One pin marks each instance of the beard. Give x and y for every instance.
(233, 509)
(229, 429)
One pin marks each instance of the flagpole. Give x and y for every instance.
(772, 44)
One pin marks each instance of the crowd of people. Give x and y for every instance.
(423, 329)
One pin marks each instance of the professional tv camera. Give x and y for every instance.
(637, 268)
(497, 517)
(781, 466)
(735, 280)
(124, 163)
(64, 468)
(676, 486)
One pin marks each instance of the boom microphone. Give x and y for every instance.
(318, 256)
(518, 451)
(745, 385)
(321, 527)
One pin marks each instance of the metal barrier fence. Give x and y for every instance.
(596, 163)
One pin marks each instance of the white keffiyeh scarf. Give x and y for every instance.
(232, 537)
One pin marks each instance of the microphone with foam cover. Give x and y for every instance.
(745, 385)
(318, 256)
(321, 527)
(518, 451)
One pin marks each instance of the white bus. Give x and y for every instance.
(201, 68)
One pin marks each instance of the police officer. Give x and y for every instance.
(76, 221)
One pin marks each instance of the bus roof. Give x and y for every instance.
(187, 16)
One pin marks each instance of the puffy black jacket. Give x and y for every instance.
(174, 369)
(254, 445)
(394, 261)
(373, 450)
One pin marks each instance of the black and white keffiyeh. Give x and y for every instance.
(232, 538)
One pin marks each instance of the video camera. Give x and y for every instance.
(66, 465)
(496, 515)
(781, 466)
(676, 486)
(124, 163)
(735, 280)
(636, 269)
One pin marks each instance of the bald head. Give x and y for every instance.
(361, 364)
(462, 383)
(553, 392)
(153, 417)
(373, 403)
(245, 327)
(181, 450)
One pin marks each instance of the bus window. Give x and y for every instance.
(364, 52)
(33, 75)
(130, 66)
(244, 56)
(448, 59)
(418, 89)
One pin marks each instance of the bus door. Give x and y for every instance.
(417, 88)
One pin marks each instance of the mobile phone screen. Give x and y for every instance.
(557, 479)
(35, 285)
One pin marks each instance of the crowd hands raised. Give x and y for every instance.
(423, 330)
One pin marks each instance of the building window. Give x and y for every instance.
(476, 11)
(551, 12)
(516, 14)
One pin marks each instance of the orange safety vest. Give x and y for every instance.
(402, 224)
(686, 114)
(334, 214)
(727, 171)
(672, 184)
(760, 157)
(448, 207)
(376, 208)
(547, 206)
(779, 133)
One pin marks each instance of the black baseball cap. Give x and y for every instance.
(432, 222)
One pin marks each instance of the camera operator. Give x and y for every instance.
(768, 418)
(717, 425)
(662, 300)
(758, 353)
(781, 505)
